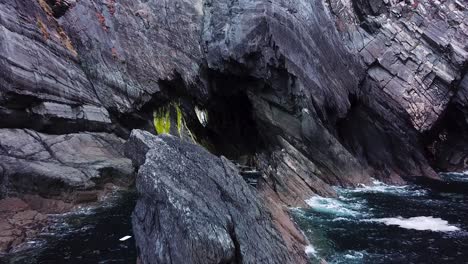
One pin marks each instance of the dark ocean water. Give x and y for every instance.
(378, 224)
(87, 236)
(388, 224)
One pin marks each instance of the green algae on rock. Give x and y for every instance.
(169, 119)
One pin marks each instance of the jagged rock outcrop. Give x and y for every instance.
(52, 165)
(194, 207)
(103, 53)
(42, 174)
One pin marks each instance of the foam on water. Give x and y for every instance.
(354, 255)
(380, 187)
(331, 206)
(418, 223)
(348, 257)
(344, 228)
(310, 250)
(455, 176)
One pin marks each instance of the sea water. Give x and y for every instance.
(86, 236)
(387, 224)
(370, 224)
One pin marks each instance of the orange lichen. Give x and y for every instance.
(66, 41)
(43, 28)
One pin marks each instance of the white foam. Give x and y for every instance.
(354, 255)
(380, 187)
(310, 250)
(330, 206)
(419, 223)
(342, 219)
(125, 238)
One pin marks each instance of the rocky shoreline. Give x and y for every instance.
(312, 94)
(53, 174)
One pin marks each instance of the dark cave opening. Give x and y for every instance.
(231, 128)
(446, 142)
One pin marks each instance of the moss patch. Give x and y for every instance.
(162, 120)
(169, 119)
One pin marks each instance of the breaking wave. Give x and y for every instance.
(332, 206)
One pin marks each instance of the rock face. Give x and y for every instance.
(416, 53)
(50, 165)
(356, 87)
(194, 207)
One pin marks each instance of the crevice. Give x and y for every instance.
(46, 147)
(237, 251)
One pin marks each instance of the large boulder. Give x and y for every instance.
(194, 207)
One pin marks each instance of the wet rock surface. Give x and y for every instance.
(28, 217)
(194, 207)
(86, 233)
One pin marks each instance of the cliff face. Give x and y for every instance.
(104, 66)
(415, 52)
(358, 88)
(312, 93)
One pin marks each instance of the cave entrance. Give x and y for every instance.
(223, 122)
(230, 128)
